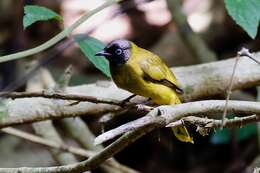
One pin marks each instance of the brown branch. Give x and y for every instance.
(176, 112)
(229, 90)
(213, 123)
(60, 96)
(51, 115)
(242, 52)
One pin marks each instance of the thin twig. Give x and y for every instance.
(245, 52)
(242, 52)
(213, 123)
(82, 98)
(229, 91)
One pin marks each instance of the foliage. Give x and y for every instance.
(246, 13)
(34, 13)
(90, 46)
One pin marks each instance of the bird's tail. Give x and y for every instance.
(181, 132)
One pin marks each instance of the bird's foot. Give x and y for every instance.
(125, 101)
(142, 107)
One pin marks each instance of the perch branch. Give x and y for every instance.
(176, 112)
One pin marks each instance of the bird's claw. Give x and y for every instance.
(142, 107)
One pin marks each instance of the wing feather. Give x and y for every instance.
(155, 70)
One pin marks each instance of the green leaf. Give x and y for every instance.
(246, 13)
(90, 46)
(34, 13)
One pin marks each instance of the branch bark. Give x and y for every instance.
(176, 112)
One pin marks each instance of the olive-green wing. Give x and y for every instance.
(156, 71)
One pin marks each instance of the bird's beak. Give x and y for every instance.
(102, 53)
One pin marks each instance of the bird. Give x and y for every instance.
(144, 73)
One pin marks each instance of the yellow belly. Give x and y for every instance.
(130, 81)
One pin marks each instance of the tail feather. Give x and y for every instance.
(181, 132)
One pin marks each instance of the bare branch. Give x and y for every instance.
(242, 52)
(229, 90)
(60, 96)
(213, 123)
(176, 112)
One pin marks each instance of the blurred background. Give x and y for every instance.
(183, 32)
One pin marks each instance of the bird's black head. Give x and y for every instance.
(117, 52)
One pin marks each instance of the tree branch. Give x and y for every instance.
(60, 96)
(213, 123)
(176, 112)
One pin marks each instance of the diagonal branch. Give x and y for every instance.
(92, 162)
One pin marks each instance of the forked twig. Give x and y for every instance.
(242, 52)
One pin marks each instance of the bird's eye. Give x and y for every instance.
(118, 51)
